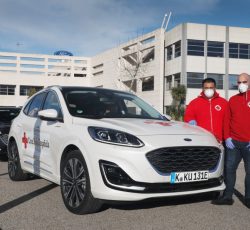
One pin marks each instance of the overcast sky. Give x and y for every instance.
(88, 27)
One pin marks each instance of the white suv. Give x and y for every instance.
(101, 145)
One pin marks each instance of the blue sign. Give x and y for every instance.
(63, 53)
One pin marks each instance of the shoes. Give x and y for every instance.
(247, 202)
(225, 201)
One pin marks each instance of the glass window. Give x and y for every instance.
(232, 80)
(36, 105)
(168, 81)
(148, 55)
(52, 102)
(218, 78)
(233, 50)
(237, 50)
(194, 80)
(177, 51)
(99, 103)
(7, 89)
(195, 48)
(215, 49)
(148, 84)
(25, 89)
(169, 52)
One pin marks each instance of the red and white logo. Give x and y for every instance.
(248, 104)
(158, 123)
(218, 108)
(25, 140)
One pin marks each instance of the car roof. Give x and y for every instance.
(72, 88)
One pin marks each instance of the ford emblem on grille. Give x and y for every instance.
(187, 139)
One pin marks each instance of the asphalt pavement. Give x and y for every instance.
(37, 204)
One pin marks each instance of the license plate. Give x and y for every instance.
(183, 177)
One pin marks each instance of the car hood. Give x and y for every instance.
(143, 127)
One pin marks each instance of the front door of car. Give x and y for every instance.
(30, 134)
(51, 137)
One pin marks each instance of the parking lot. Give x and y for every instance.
(37, 204)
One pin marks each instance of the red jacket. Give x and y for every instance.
(208, 113)
(237, 118)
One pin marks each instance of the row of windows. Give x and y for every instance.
(197, 48)
(194, 80)
(216, 49)
(25, 90)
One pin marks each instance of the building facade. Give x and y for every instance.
(149, 65)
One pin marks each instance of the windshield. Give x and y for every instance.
(97, 103)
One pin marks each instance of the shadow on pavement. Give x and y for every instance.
(7, 206)
(239, 195)
(166, 201)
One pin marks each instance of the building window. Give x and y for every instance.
(218, 78)
(215, 49)
(232, 80)
(79, 75)
(195, 48)
(169, 53)
(148, 55)
(194, 80)
(26, 89)
(177, 49)
(148, 84)
(244, 51)
(168, 82)
(177, 80)
(7, 89)
(241, 51)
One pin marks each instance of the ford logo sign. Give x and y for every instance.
(187, 139)
(63, 53)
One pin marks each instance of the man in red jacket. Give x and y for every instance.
(208, 109)
(237, 136)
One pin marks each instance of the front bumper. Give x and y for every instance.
(143, 181)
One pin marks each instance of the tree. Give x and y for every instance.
(31, 92)
(176, 110)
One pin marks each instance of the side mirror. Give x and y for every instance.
(48, 114)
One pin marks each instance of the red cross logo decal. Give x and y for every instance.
(158, 123)
(25, 140)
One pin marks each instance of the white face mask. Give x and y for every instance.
(209, 93)
(243, 87)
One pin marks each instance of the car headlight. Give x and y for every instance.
(111, 136)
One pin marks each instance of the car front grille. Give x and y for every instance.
(184, 159)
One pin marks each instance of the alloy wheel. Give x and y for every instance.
(74, 182)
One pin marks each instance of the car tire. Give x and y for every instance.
(75, 185)
(14, 167)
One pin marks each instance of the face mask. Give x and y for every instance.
(242, 87)
(209, 93)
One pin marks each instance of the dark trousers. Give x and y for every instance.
(233, 158)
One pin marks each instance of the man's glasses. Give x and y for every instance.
(242, 82)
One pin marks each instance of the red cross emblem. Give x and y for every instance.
(158, 123)
(25, 140)
(217, 107)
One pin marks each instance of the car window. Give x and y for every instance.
(108, 104)
(52, 102)
(36, 105)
